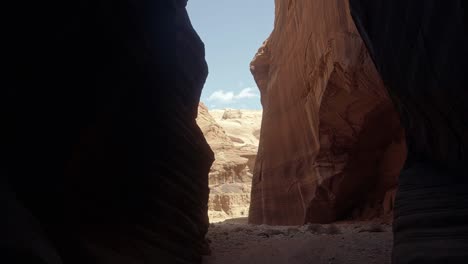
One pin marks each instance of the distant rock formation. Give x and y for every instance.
(232, 113)
(331, 144)
(232, 135)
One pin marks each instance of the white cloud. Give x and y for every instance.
(247, 93)
(230, 96)
(221, 96)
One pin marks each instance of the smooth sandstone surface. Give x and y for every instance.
(331, 145)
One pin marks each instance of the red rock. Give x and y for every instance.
(330, 141)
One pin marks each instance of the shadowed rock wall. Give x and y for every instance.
(101, 143)
(421, 50)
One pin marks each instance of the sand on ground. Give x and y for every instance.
(236, 242)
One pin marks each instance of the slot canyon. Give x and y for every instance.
(358, 156)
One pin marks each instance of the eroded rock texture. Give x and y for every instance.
(421, 50)
(331, 146)
(233, 136)
(102, 148)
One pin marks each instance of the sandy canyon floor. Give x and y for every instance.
(236, 242)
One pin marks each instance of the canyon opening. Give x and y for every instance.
(230, 111)
(321, 169)
(206, 132)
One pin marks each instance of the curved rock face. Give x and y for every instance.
(421, 51)
(331, 146)
(103, 151)
(231, 135)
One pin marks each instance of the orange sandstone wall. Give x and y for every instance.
(331, 145)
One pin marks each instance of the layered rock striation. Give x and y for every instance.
(331, 145)
(233, 136)
(421, 50)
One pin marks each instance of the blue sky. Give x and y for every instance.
(232, 31)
